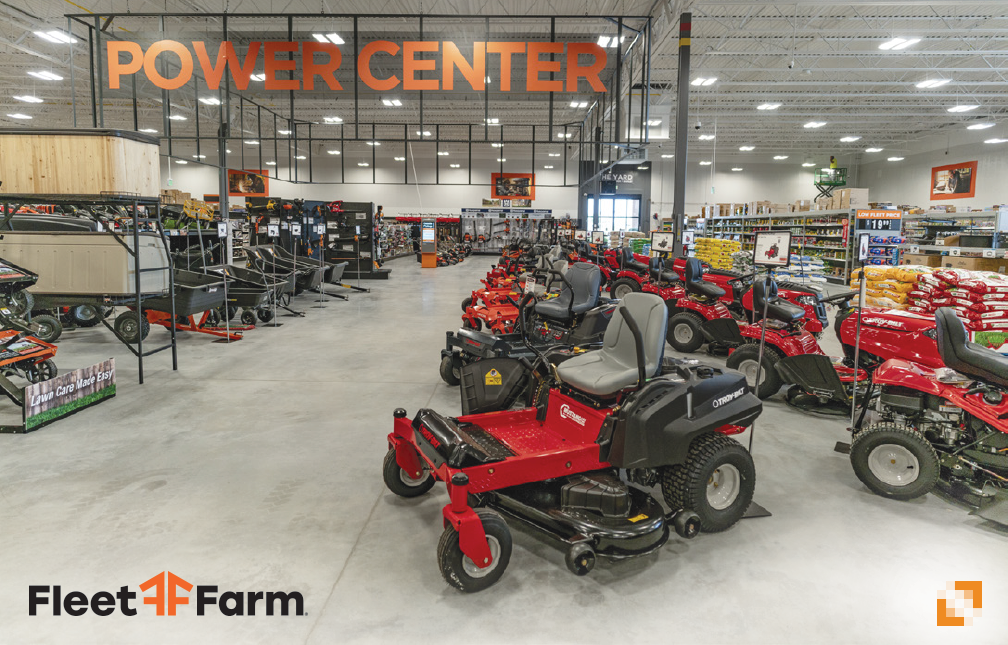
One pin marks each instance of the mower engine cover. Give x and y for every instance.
(656, 425)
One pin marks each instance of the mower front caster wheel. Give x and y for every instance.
(403, 483)
(686, 524)
(449, 373)
(580, 559)
(461, 572)
(466, 303)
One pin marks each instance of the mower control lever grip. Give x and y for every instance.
(638, 345)
(979, 389)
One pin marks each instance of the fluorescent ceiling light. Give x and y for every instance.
(747, 148)
(300, 157)
(962, 108)
(442, 153)
(780, 157)
(579, 104)
(487, 79)
(849, 139)
(874, 149)
(905, 44)
(18, 115)
(399, 158)
(736, 169)
(492, 121)
(554, 154)
(642, 167)
(391, 102)
(895, 158)
(652, 123)
(199, 156)
(333, 152)
(807, 164)
(153, 131)
(606, 41)
(898, 43)
(499, 145)
(328, 38)
(363, 164)
(28, 98)
(283, 131)
(705, 163)
(814, 124)
(548, 167)
(768, 106)
(709, 81)
(209, 100)
(332, 119)
(270, 163)
(706, 137)
(701, 81)
(501, 159)
(975, 126)
(46, 76)
(932, 83)
(667, 156)
(181, 162)
(565, 135)
(227, 151)
(56, 36)
(177, 117)
(455, 165)
(251, 142)
(258, 77)
(425, 133)
(603, 41)
(995, 140)
(374, 143)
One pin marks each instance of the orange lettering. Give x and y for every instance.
(535, 66)
(474, 74)
(412, 65)
(117, 68)
(326, 71)
(226, 57)
(150, 64)
(364, 65)
(164, 596)
(589, 73)
(273, 66)
(505, 50)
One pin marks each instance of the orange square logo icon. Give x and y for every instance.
(959, 603)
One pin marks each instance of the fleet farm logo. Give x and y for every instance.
(169, 591)
(959, 603)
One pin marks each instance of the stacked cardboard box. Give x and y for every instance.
(172, 196)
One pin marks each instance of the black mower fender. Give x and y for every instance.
(476, 343)
(593, 325)
(655, 426)
(722, 331)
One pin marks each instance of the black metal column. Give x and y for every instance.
(681, 133)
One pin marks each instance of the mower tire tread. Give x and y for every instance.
(450, 557)
(895, 433)
(693, 321)
(391, 473)
(772, 381)
(614, 287)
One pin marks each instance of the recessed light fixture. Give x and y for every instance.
(962, 108)
(565, 135)
(28, 98)
(391, 102)
(199, 156)
(849, 139)
(251, 142)
(283, 131)
(610, 41)
(814, 124)
(333, 152)
(768, 106)
(706, 137)
(895, 158)
(653, 123)
(258, 77)
(705, 163)
(209, 100)
(425, 133)
(898, 43)
(995, 140)
(177, 117)
(332, 119)
(442, 153)
(807, 164)
(493, 121)
(455, 165)
(363, 164)
(399, 158)
(780, 157)
(270, 163)
(980, 126)
(700, 81)
(736, 169)
(874, 149)
(548, 167)
(328, 38)
(932, 83)
(300, 157)
(19, 116)
(667, 156)
(56, 36)
(497, 145)
(747, 148)
(227, 151)
(374, 143)
(181, 162)
(554, 154)
(46, 76)
(579, 104)
(501, 159)
(152, 131)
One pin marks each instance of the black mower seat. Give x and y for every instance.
(960, 354)
(585, 278)
(657, 272)
(608, 370)
(696, 285)
(776, 308)
(630, 263)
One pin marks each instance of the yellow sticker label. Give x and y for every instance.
(638, 518)
(493, 377)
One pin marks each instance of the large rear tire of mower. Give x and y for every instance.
(622, 286)
(466, 303)
(716, 482)
(21, 302)
(894, 461)
(461, 572)
(745, 359)
(402, 483)
(684, 333)
(449, 373)
(130, 327)
(48, 328)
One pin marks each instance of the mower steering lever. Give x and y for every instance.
(638, 345)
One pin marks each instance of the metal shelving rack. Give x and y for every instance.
(985, 222)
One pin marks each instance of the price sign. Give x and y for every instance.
(989, 253)
(915, 249)
(295, 229)
(955, 251)
(222, 229)
(863, 247)
(272, 230)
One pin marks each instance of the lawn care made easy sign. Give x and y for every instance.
(58, 397)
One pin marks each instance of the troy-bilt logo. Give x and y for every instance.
(567, 413)
(728, 398)
(883, 322)
(959, 603)
(429, 436)
(165, 599)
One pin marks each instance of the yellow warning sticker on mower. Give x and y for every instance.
(493, 377)
(638, 518)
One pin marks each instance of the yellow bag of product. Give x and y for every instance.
(910, 272)
(886, 285)
(877, 301)
(871, 273)
(906, 287)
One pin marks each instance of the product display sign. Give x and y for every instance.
(688, 237)
(662, 242)
(863, 242)
(878, 220)
(222, 229)
(598, 237)
(581, 235)
(295, 229)
(63, 395)
(772, 249)
(273, 230)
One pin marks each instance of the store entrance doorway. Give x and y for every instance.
(614, 212)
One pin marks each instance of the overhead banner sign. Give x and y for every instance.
(419, 65)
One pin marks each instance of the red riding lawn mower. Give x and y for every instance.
(557, 469)
(497, 309)
(944, 426)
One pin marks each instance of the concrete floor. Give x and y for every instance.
(256, 467)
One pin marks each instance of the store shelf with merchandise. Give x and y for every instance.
(980, 238)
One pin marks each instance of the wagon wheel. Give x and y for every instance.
(41, 371)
